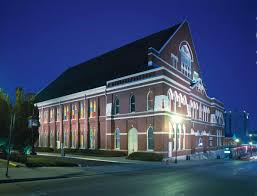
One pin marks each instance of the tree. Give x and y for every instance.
(5, 110)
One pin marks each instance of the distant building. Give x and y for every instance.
(128, 98)
(237, 124)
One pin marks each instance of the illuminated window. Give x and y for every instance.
(150, 139)
(65, 138)
(51, 114)
(150, 101)
(117, 138)
(58, 116)
(46, 116)
(73, 138)
(92, 138)
(65, 113)
(186, 60)
(73, 111)
(117, 106)
(82, 142)
(81, 111)
(92, 109)
(132, 103)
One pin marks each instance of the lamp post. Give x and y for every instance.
(176, 119)
(237, 142)
(251, 143)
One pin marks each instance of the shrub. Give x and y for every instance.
(45, 161)
(145, 156)
(44, 149)
(18, 157)
(86, 152)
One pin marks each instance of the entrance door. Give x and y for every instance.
(132, 141)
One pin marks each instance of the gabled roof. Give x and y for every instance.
(129, 59)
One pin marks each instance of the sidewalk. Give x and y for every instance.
(42, 173)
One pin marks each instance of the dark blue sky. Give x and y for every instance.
(40, 39)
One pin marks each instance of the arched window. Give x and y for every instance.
(150, 101)
(117, 138)
(186, 60)
(117, 106)
(200, 142)
(132, 103)
(150, 139)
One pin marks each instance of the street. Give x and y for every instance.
(217, 178)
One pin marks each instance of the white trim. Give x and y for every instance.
(172, 68)
(141, 116)
(141, 133)
(79, 95)
(161, 132)
(173, 34)
(136, 74)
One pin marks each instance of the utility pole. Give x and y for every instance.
(9, 144)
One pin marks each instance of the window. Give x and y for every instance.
(73, 135)
(65, 138)
(150, 101)
(150, 139)
(82, 143)
(73, 111)
(174, 60)
(186, 60)
(210, 141)
(51, 138)
(45, 116)
(200, 142)
(65, 112)
(52, 115)
(132, 103)
(58, 114)
(117, 138)
(92, 135)
(117, 106)
(81, 111)
(92, 109)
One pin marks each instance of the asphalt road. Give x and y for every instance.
(218, 178)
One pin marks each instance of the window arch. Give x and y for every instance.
(150, 139)
(117, 106)
(150, 101)
(132, 103)
(186, 59)
(117, 138)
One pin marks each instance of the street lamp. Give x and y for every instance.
(237, 142)
(251, 143)
(176, 119)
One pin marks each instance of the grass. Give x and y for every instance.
(3, 162)
(48, 161)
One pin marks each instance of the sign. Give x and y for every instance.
(33, 123)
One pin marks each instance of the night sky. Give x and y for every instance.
(40, 39)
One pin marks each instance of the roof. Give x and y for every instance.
(128, 59)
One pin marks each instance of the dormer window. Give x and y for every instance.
(186, 60)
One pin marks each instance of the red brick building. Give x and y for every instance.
(127, 99)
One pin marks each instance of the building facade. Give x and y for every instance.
(129, 99)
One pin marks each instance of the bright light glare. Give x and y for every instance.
(250, 143)
(176, 119)
(237, 140)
